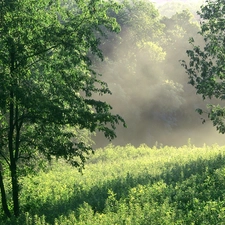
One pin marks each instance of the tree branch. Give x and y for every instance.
(4, 157)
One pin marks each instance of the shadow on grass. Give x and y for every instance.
(96, 197)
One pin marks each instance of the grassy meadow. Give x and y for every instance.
(129, 186)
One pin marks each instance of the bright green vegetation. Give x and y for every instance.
(128, 185)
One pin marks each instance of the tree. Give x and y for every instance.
(206, 68)
(178, 29)
(46, 83)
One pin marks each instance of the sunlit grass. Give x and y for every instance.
(128, 185)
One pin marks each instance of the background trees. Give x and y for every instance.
(47, 83)
(148, 83)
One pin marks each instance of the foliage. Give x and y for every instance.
(178, 29)
(47, 83)
(159, 185)
(206, 65)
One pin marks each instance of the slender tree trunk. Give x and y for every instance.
(13, 169)
(13, 112)
(3, 195)
(15, 188)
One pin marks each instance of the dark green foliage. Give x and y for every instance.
(47, 83)
(206, 64)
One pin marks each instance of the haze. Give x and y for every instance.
(150, 90)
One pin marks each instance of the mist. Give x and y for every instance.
(149, 86)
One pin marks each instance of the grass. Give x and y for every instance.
(128, 185)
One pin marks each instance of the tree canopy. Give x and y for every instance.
(206, 68)
(47, 83)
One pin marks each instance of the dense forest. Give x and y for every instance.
(149, 86)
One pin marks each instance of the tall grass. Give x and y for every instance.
(128, 185)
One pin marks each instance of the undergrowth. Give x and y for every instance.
(128, 185)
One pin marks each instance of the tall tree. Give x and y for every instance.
(206, 68)
(46, 82)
